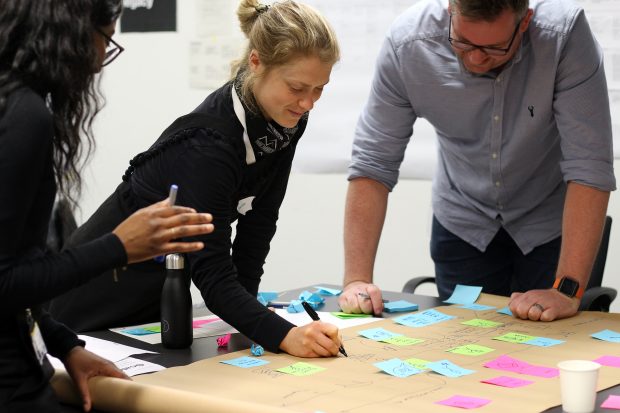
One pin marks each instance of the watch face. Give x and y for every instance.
(568, 286)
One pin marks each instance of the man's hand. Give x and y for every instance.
(361, 297)
(81, 365)
(543, 305)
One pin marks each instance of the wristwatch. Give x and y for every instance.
(569, 287)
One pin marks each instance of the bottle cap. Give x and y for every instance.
(175, 262)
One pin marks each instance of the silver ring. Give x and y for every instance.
(540, 307)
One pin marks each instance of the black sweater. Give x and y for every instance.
(205, 155)
(28, 275)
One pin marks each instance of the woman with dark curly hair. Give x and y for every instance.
(50, 52)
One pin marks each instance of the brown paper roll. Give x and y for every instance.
(116, 395)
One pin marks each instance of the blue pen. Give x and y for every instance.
(172, 195)
(278, 304)
(313, 315)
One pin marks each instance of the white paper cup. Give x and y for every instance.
(578, 379)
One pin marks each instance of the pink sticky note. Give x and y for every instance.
(541, 371)
(612, 402)
(506, 381)
(611, 361)
(507, 364)
(198, 323)
(464, 402)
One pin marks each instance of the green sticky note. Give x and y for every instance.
(471, 350)
(478, 322)
(419, 364)
(402, 341)
(514, 337)
(154, 329)
(301, 369)
(342, 315)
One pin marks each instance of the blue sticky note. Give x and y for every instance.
(245, 362)
(327, 291)
(400, 305)
(377, 334)
(505, 310)
(397, 367)
(311, 298)
(295, 307)
(447, 368)
(477, 307)
(257, 350)
(464, 294)
(607, 335)
(423, 319)
(266, 296)
(138, 331)
(543, 342)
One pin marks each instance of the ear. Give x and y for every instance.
(254, 62)
(525, 23)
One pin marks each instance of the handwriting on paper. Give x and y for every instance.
(471, 350)
(423, 319)
(507, 363)
(478, 322)
(301, 369)
(397, 367)
(449, 369)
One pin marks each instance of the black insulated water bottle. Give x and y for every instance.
(176, 305)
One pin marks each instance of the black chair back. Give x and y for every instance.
(596, 278)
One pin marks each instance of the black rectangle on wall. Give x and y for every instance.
(149, 16)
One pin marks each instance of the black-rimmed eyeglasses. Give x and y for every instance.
(112, 50)
(490, 50)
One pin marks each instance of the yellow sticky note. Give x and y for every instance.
(471, 350)
(402, 341)
(514, 337)
(301, 369)
(478, 322)
(418, 363)
(345, 316)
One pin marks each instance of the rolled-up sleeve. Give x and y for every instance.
(581, 108)
(386, 123)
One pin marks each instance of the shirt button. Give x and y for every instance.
(494, 155)
(496, 118)
(497, 183)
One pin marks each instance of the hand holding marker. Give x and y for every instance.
(313, 315)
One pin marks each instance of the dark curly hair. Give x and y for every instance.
(48, 45)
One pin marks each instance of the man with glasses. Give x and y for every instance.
(517, 95)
